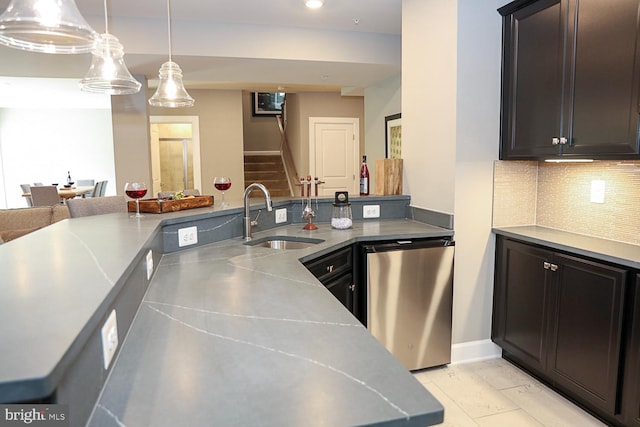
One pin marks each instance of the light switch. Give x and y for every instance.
(597, 191)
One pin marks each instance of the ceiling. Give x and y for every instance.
(246, 44)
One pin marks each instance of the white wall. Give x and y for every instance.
(477, 142)
(450, 125)
(380, 101)
(429, 40)
(68, 131)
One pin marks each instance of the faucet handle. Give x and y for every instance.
(254, 221)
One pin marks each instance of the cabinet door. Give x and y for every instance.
(586, 329)
(631, 403)
(520, 303)
(533, 53)
(603, 80)
(343, 289)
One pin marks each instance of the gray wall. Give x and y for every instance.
(450, 121)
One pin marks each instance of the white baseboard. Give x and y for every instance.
(474, 351)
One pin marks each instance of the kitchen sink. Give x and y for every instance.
(284, 242)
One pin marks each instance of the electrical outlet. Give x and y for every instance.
(109, 338)
(597, 191)
(281, 215)
(371, 211)
(187, 236)
(149, 264)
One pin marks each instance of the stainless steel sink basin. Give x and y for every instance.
(284, 242)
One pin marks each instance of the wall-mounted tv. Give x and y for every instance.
(267, 103)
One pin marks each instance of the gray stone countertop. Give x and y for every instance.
(625, 254)
(236, 335)
(52, 283)
(56, 279)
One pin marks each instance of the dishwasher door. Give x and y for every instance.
(409, 300)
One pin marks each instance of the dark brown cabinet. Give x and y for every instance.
(631, 403)
(335, 272)
(571, 86)
(562, 317)
(520, 302)
(585, 329)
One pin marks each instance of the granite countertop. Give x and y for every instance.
(227, 333)
(625, 254)
(230, 334)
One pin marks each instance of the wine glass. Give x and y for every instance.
(136, 190)
(222, 183)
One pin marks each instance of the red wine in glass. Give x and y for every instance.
(136, 194)
(136, 190)
(222, 183)
(222, 186)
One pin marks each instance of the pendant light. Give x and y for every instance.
(171, 92)
(46, 26)
(108, 72)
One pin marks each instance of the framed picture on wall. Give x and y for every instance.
(267, 103)
(393, 136)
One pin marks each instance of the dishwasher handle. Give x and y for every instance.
(406, 244)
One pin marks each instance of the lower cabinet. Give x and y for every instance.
(520, 307)
(631, 403)
(335, 271)
(562, 317)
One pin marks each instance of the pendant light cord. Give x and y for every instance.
(106, 21)
(169, 26)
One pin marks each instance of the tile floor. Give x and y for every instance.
(495, 393)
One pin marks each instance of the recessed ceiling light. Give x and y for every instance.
(314, 4)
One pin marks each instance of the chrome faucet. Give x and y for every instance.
(248, 223)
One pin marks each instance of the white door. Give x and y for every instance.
(334, 144)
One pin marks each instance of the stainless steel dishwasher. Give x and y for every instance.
(409, 297)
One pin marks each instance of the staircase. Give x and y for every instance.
(267, 170)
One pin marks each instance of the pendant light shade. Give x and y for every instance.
(47, 26)
(108, 72)
(171, 92)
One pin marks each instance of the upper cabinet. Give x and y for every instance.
(570, 79)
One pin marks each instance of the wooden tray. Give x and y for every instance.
(163, 206)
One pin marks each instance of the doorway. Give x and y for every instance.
(175, 153)
(334, 145)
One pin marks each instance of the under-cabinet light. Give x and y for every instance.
(568, 160)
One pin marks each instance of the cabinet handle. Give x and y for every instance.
(555, 141)
(554, 267)
(546, 265)
(563, 140)
(330, 268)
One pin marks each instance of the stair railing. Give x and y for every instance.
(287, 158)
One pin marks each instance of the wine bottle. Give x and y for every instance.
(69, 177)
(364, 177)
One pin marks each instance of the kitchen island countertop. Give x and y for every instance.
(227, 334)
(235, 335)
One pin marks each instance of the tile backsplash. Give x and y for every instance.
(558, 195)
